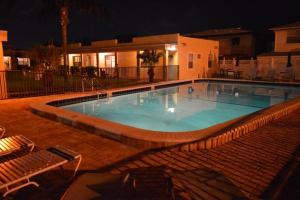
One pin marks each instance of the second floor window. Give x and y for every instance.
(235, 41)
(293, 36)
(190, 60)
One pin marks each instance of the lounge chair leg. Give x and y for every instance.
(20, 186)
(32, 147)
(77, 166)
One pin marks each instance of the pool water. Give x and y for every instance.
(186, 107)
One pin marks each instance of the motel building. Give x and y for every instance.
(284, 61)
(183, 57)
(22, 59)
(3, 93)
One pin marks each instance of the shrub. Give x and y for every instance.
(75, 70)
(23, 67)
(90, 71)
(63, 70)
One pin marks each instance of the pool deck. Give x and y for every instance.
(255, 166)
(250, 166)
(97, 151)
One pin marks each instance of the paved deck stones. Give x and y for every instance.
(241, 168)
(97, 151)
(245, 167)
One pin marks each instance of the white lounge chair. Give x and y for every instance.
(14, 143)
(16, 173)
(2, 131)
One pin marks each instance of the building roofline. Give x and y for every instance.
(219, 32)
(295, 25)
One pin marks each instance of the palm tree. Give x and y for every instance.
(149, 59)
(63, 8)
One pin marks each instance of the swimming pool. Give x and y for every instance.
(187, 107)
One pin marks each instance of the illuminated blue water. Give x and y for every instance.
(181, 108)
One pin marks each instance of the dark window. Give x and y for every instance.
(190, 60)
(293, 36)
(210, 60)
(235, 41)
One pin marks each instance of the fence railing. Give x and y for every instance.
(16, 84)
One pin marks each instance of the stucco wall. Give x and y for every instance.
(278, 63)
(3, 37)
(200, 48)
(104, 43)
(127, 59)
(91, 62)
(156, 39)
(281, 45)
(3, 89)
(246, 46)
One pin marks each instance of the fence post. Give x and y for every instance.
(3, 86)
(82, 84)
(165, 73)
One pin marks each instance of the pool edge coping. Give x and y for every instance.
(189, 140)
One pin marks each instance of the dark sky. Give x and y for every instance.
(141, 17)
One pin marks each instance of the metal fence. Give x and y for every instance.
(14, 84)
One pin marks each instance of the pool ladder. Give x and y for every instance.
(102, 91)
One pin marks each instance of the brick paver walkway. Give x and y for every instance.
(245, 167)
(242, 168)
(97, 151)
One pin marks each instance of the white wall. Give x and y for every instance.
(278, 63)
(281, 45)
(201, 49)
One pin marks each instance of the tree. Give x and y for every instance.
(46, 56)
(46, 8)
(149, 59)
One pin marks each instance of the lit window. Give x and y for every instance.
(171, 47)
(77, 60)
(7, 62)
(24, 61)
(190, 61)
(110, 61)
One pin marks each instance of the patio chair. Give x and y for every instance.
(16, 173)
(270, 76)
(2, 131)
(288, 75)
(253, 73)
(12, 144)
(151, 183)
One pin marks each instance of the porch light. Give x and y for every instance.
(171, 47)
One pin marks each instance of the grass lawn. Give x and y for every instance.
(22, 84)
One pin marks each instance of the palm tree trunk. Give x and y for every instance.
(64, 21)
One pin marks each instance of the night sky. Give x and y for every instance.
(144, 17)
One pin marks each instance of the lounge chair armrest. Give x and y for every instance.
(2, 131)
(64, 152)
